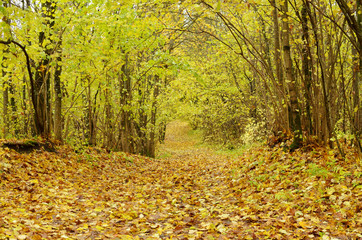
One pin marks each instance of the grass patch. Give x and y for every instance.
(163, 155)
(315, 170)
(232, 150)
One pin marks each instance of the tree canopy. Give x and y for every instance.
(113, 74)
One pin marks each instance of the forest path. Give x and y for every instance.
(188, 193)
(96, 195)
(195, 181)
(180, 140)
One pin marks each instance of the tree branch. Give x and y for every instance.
(28, 65)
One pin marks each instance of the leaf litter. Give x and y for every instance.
(192, 194)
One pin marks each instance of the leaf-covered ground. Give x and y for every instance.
(188, 193)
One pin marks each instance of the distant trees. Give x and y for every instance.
(111, 74)
(96, 71)
(306, 88)
(353, 16)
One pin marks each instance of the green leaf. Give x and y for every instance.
(218, 6)
(2, 10)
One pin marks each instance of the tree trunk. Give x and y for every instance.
(141, 124)
(5, 108)
(357, 81)
(91, 118)
(355, 25)
(126, 127)
(109, 136)
(58, 120)
(277, 48)
(151, 141)
(280, 88)
(293, 109)
(327, 131)
(5, 84)
(42, 78)
(307, 69)
(27, 117)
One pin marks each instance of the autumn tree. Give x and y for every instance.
(112, 74)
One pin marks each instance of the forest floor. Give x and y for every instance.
(188, 192)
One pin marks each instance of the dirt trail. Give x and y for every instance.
(179, 139)
(189, 192)
(96, 195)
(196, 183)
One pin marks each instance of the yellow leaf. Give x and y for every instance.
(303, 224)
(99, 209)
(34, 181)
(315, 219)
(126, 237)
(330, 191)
(36, 237)
(22, 237)
(221, 228)
(85, 227)
(99, 228)
(21, 209)
(224, 216)
(127, 216)
(325, 237)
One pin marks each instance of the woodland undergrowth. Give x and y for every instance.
(189, 192)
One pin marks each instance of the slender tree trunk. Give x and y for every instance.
(141, 125)
(24, 109)
(58, 120)
(294, 113)
(109, 133)
(5, 109)
(42, 77)
(355, 25)
(126, 129)
(357, 81)
(277, 48)
(328, 131)
(280, 88)
(67, 121)
(13, 117)
(307, 68)
(252, 88)
(91, 117)
(27, 119)
(151, 141)
(7, 34)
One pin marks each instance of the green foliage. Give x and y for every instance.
(255, 132)
(284, 196)
(127, 157)
(221, 77)
(318, 171)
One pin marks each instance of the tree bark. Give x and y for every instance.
(151, 141)
(293, 108)
(42, 78)
(355, 25)
(282, 116)
(328, 130)
(109, 133)
(126, 127)
(5, 131)
(91, 116)
(58, 120)
(307, 68)
(357, 80)
(5, 108)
